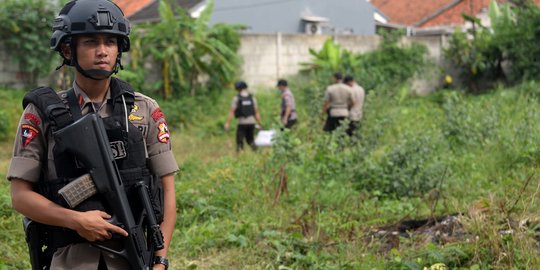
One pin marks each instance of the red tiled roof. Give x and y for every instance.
(129, 7)
(408, 12)
(453, 15)
(428, 13)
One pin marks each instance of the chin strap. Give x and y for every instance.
(98, 74)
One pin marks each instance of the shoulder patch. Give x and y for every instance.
(28, 133)
(157, 114)
(34, 119)
(163, 134)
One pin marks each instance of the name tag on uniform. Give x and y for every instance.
(246, 102)
(118, 149)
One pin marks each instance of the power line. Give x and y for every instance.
(267, 3)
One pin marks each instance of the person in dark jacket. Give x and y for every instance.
(244, 108)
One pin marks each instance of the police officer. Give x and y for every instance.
(91, 35)
(358, 94)
(288, 105)
(244, 108)
(337, 102)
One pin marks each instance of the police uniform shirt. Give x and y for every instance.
(34, 134)
(288, 101)
(338, 97)
(358, 95)
(250, 120)
(34, 144)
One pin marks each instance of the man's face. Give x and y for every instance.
(97, 51)
(282, 88)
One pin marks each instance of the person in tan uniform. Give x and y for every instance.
(136, 128)
(355, 114)
(337, 102)
(244, 108)
(288, 105)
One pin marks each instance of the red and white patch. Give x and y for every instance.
(34, 119)
(163, 134)
(157, 114)
(28, 133)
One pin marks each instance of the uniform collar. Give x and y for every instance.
(286, 91)
(83, 99)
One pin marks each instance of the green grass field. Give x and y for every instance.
(417, 158)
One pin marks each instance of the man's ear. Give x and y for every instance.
(66, 50)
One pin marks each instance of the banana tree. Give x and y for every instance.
(331, 58)
(187, 49)
(328, 58)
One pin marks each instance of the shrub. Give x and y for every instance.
(506, 52)
(25, 27)
(392, 64)
(5, 125)
(411, 167)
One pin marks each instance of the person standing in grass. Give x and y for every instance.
(244, 109)
(91, 35)
(288, 106)
(358, 95)
(337, 102)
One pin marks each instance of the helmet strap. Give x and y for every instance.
(94, 74)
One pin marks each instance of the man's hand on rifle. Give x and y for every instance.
(93, 226)
(159, 267)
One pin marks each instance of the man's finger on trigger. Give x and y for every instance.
(119, 230)
(104, 214)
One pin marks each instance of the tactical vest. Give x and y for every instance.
(128, 147)
(245, 106)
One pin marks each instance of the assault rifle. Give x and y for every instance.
(87, 140)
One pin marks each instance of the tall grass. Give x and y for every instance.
(415, 157)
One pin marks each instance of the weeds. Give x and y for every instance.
(409, 162)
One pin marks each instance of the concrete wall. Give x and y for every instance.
(268, 57)
(434, 44)
(271, 56)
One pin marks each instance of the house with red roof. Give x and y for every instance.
(148, 10)
(130, 6)
(432, 14)
(264, 16)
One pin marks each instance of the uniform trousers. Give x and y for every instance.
(246, 132)
(290, 123)
(332, 123)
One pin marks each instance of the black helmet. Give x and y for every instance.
(240, 85)
(87, 17)
(90, 17)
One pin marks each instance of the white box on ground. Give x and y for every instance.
(265, 138)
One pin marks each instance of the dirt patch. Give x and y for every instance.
(439, 230)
